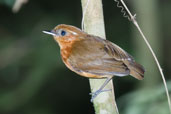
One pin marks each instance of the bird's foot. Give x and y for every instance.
(96, 93)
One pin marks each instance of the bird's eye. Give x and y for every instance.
(63, 33)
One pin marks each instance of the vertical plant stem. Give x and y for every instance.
(132, 18)
(94, 24)
(150, 24)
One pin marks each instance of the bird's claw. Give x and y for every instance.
(96, 93)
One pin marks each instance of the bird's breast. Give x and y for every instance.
(66, 51)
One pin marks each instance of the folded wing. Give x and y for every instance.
(103, 58)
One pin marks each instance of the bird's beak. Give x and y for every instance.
(49, 32)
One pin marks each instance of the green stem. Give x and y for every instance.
(150, 25)
(94, 24)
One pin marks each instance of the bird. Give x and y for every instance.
(94, 57)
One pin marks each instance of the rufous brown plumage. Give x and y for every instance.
(93, 57)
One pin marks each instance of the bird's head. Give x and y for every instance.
(66, 34)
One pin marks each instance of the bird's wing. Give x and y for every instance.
(136, 70)
(99, 57)
(116, 52)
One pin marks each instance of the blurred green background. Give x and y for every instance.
(33, 79)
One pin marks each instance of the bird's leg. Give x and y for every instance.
(100, 90)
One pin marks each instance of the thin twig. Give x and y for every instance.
(151, 50)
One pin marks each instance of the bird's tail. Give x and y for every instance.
(136, 70)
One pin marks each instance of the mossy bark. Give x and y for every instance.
(94, 24)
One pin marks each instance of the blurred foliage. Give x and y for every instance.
(33, 79)
(8, 3)
(147, 101)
